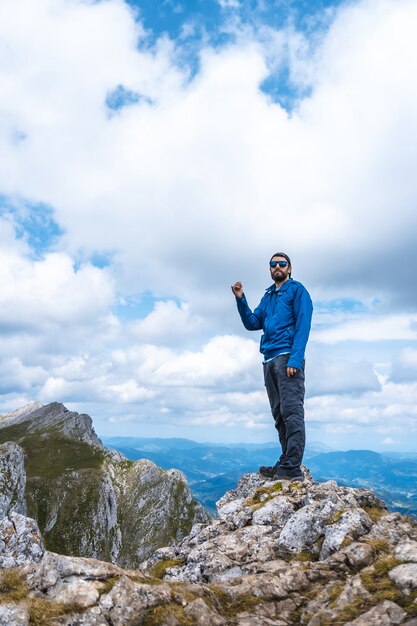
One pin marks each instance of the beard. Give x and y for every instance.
(279, 275)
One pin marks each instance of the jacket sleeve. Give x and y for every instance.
(251, 320)
(303, 311)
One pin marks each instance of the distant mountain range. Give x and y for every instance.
(213, 469)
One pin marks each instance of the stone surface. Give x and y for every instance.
(20, 541)
(203, 616)
(12, 479)
(404, 576)
(385, 614)
(14, 614)
(406, 551)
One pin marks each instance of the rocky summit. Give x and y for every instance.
(280, 553)
(86, 500)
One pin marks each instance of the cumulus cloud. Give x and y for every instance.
(340, 377)
(36, 294)
(404, 366)
(192, 182)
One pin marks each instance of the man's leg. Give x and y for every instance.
(291, 392)
(272, 388)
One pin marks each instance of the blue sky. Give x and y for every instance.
(154, 153)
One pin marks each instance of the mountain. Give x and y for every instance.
(394, 478)
(87, 500)
(280, 553)
(213, 469)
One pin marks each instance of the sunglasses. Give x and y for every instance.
(280, 263)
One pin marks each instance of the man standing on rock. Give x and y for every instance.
(284, 314)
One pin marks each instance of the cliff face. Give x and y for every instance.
(280, 554)
(88, 501)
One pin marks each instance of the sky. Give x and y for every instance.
(153, 153)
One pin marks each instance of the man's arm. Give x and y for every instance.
(303, 310)
(251, 320)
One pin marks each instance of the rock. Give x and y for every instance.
(55, 568)
(386, 613)
(358, 555)
(307, 524)
(127, 602)
(353, 524)
(203, 616)
(404, 576)
(406, 551)
(14, 614)
(20, 541)
(353, 591)
(12, 479)
(275, 512)
(394, 529)
(235, 513)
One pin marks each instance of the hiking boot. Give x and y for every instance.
(268, 471)
(294, 477)
(275, 472)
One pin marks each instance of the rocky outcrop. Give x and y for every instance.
(89, 501)
(12, 479)
(280, 554)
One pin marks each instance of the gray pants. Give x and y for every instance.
(286, 397)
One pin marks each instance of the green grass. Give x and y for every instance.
(229, 606)
(49, 453)
(160, 568)
(257, 500)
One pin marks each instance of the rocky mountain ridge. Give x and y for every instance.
(280, 553)
(89, 501)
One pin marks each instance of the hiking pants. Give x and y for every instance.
(286, 397)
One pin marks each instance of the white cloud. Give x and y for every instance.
(51, 290)
(194, 187)
(169, 323)
(370, 328)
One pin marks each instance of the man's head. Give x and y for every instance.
(280, 266)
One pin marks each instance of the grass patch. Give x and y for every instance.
(305, 556)
(335, 517)
(44, 612)
(160, 614)
(160, 568)
(347, 614)
(13, 587)
(374, 512)
(230, 607)
(263, 494)
(378, 584)
(334, 593)
(380, 546)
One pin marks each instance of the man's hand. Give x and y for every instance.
(291, 371)
(237, 289)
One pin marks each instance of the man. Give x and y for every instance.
(284, 314)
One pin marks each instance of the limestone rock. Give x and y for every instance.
(12, 479)
(404, 576)
(20, 541)
(406, 551)
(385, 614)
(14, 614)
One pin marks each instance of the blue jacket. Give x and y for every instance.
(285, 318)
